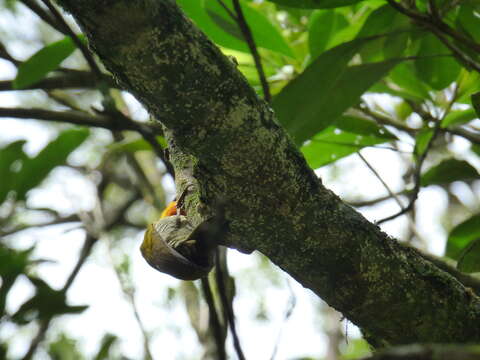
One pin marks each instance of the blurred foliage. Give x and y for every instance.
(345, 75)
(64, 348)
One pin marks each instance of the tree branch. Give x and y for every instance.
(226, 145)
(433, 21)
(82, 79)
(71, 117)
(428, 352)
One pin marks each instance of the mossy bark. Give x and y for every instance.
(224, 140)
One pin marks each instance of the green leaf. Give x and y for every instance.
(46, 303)
(468, 83)
(8, 156)
(379, 21)
(449, 171)
(383, 87)
(312, 101)
(469, 261)
(133, 146)
(12, 264)
(459, 117)
(434, 65)
(35, 170)
(42, 62)
(403, 110)
(265, 34)
(196, 11)
(64, 348)
(404, 77)
(476, 102)
(106, 344)
(324, 24)
(361, 126)
(332, 144)
(395, 44)
(350, 32)
(469, 21)
(422, 139)
(462, 235)
(315, 4)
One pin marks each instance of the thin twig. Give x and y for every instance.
(80, 45)
(57, 221)
(361, 203)
(81, 79)
(44, 324)
(87, 54)
(416, 178)
(247, 34)
(292, 302)
(459, 54)
(384, 120)
(432, 21)
(129, 293)
(4, 54)
(118, 117)
(435, 23)
(86, 250)
(71, 117)
(418, 171)
(377, 175)
(213, 319)
(469, 135)
(457, 130)
(227, 9)
(227, 306)
(44, 15)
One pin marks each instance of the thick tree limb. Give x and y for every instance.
(428, 352)
(224, 140)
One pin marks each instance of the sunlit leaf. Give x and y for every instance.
(468, 83)
(315, 4)
(196, 11)
(328, 87)
(324, 24)
(106, 344)
(459, 117)
(265, 34)
(332, 144)
(361, 126)
(449, 171)
(135, 145)
(403, 110)
(42, 62)
(404, 77)
(64, 348)
(383, 20)
(422, 140)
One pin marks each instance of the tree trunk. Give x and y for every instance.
(225, 141)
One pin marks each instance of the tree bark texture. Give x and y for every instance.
(225, 141)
